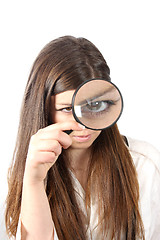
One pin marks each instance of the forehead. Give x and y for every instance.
(64, 97)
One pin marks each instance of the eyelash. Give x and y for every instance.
(63, 109)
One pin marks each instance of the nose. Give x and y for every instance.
(71, 117)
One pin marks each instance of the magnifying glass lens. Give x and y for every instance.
(97, 104)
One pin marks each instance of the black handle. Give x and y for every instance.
(68, 131)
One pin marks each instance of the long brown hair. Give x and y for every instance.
(62, 65)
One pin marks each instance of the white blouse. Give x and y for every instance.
(147, 162)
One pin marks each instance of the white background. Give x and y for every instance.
(126, 32)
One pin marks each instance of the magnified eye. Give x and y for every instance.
(97, 106)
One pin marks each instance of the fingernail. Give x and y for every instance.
(81, 126)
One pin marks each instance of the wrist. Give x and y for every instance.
(28, 181)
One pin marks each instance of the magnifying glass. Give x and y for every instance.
(97, 104)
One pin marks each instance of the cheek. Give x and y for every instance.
(97, 133)
(57, 117)
(62, 117)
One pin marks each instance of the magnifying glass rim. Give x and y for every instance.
(74, 96)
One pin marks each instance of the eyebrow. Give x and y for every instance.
(111, 89)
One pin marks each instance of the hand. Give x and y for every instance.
(44, 149)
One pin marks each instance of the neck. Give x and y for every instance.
(79, 159)
(78, 163)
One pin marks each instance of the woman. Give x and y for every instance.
(83, 185)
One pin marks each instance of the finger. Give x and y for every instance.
(40, 157)
(53, 135)
(71, 125)
(49, 146)
(45, 157)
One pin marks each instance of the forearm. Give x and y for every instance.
(35, 213)
(44, 149)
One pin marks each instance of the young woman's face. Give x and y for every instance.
(63, 112)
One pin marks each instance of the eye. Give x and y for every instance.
(66, 110)
(97, 106)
